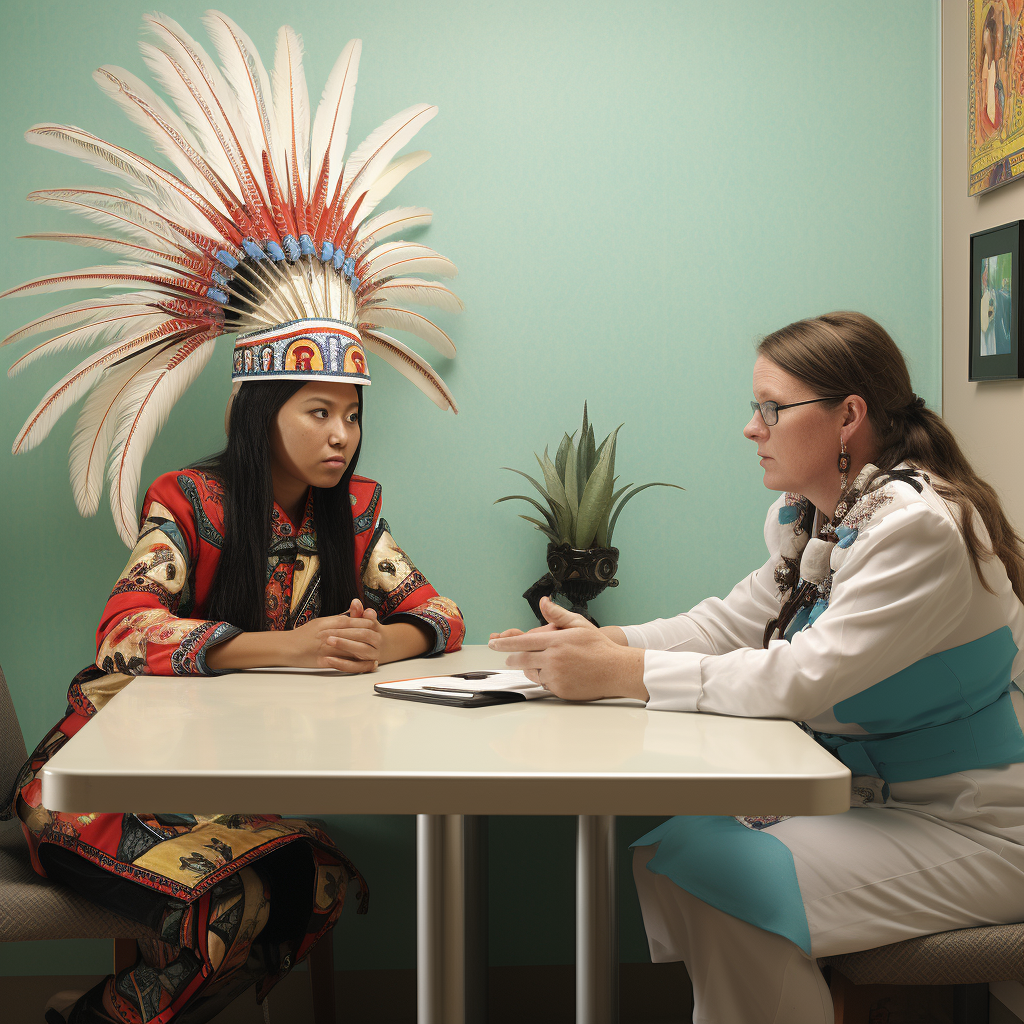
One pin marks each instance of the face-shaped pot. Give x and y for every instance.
(581, 574)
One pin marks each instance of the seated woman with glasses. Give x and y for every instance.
(888, 620)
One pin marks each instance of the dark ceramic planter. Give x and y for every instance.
(578, 573)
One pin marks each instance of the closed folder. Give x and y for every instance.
(466, 689)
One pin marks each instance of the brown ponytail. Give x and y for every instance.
(844, 353)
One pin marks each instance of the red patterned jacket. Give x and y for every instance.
(154, 624)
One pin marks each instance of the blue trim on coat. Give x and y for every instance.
(747, 873)
(989, 738)
(949, 712)
(941, 688)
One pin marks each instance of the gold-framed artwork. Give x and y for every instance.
(995, 62)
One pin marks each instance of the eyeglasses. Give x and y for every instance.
(770, 410)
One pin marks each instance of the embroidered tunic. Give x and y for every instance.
(902, 662)
(155, 623)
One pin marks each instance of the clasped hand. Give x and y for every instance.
(347, 643)
(572, 658)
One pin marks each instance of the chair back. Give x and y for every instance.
(12, 743)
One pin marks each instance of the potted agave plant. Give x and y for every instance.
(583, 506)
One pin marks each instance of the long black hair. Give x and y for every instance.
(244, 470)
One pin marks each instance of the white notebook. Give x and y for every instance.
(466, 689)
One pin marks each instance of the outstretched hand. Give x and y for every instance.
(572, 658)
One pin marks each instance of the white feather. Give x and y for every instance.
(333, 116)
(143, 410)
(404, 258)
(389, 178)
(118, 275)
(94, 432)
(400, 319)
(411, 366)
(179, 200)
(78, 312)
(109, 329)
(339, 295)
(169, 74)
(169, 252)
(136, 217)
(69, 389)
(244, 70)
(291, 107)
(112, 209)
(156, 119)
(386, 224)
(214, 106)
(373, 154)
(414, 290)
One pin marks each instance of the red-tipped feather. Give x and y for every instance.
(112, 277)
(318, 200)
(279, 208)
(347, 231)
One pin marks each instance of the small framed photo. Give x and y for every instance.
(996, 350)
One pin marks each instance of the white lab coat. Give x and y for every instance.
(913, 856)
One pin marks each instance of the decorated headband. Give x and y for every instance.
(266, 232)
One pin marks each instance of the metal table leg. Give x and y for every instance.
(597, 934)
(451, 919)
(429, 919)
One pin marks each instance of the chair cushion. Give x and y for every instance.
(967, 956)
(35, 908)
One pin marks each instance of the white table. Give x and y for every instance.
(319, 743)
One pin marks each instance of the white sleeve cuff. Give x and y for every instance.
(635, 636)
(673, 680)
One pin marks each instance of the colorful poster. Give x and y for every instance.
(996, 93)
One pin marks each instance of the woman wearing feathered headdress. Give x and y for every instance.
(271, 553)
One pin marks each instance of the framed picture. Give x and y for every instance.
(996, 350)
(995, 62)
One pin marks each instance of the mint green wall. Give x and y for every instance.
(633, 195)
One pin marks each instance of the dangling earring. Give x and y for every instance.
(844, 468)
(844, 464)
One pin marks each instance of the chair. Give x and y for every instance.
(969, 958)
(34, 908)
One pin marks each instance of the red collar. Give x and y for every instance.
(282, 526)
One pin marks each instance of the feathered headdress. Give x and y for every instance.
(267, 232)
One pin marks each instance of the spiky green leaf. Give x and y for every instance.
(601, 537)
(536, 504)
(572, 491)
(632, 494)
(591, 451)
(547, 497)
(611, 444)
(564, 517)
(582, 473)
(550, 534)
(560, 456)
(597, 496)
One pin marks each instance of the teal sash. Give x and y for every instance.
(949, 712)
(747, 874)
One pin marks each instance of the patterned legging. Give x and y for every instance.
(207, 951)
